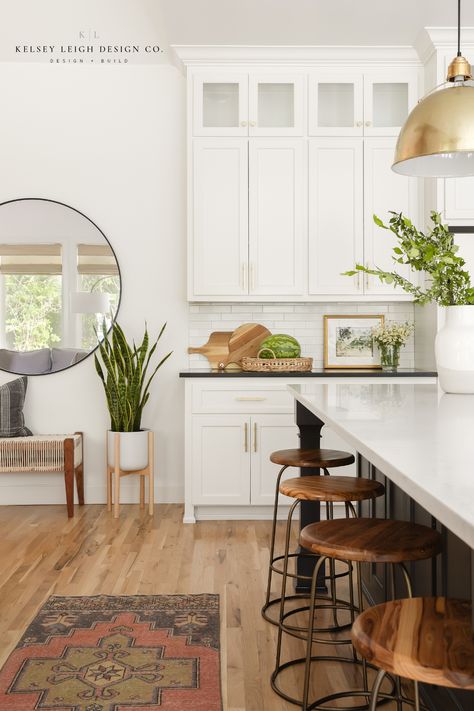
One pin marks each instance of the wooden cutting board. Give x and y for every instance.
(216, 349)
(245, 341)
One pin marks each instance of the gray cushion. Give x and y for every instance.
(26, 362)
(64, 357)
(12, 398)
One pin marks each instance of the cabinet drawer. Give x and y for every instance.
(238, 399)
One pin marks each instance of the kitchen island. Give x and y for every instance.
(419, 442)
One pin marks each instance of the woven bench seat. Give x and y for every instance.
(47, 453)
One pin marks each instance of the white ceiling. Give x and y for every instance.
(293, 22)
(286, 22)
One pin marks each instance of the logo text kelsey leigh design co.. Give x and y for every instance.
(85, 52)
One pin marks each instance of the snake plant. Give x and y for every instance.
(124, 375)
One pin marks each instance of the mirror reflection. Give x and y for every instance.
(59, 279)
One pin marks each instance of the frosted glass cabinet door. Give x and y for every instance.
(388, 99)
(221, 459)
(219, 214)
(336, 105)
(276, 105)
(276, 215)
(336, 239)
(220, 104)
(385, 190)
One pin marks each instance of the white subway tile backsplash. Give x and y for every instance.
(302, 320)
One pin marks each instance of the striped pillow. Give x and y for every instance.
(12, 398)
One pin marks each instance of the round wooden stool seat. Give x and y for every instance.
(372, 540)
(331, 488)
(428, 639)
(315, 458)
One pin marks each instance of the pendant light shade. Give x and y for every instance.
(437, 139)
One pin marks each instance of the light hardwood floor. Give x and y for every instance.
(44, 553)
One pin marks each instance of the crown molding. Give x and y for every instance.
(436, 39)
(284, 55)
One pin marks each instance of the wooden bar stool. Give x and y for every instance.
(426, 639)
(358, 540)
(329, 490)
(304, 459)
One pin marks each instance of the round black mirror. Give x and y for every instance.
(59, 281)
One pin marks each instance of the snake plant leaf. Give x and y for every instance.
(122, 369)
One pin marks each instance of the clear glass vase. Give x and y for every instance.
(389, 357)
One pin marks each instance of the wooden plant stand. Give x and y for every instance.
(117, 473)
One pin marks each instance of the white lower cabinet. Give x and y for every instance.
(232, 427)
(231, 457)
(269, 433)
(221, 460)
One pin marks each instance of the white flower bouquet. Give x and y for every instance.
(394, 334)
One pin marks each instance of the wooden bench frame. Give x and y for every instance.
(67, 465)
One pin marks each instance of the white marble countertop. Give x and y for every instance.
(419, 437)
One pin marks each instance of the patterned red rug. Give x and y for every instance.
(117, 653)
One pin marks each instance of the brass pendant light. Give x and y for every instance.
(437, 140)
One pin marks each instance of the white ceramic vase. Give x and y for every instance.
(133, 449)
(454, 348)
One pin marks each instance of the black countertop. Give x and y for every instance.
(317, 373)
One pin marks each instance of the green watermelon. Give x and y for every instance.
(279, 346)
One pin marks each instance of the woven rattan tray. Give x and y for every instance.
(282, 365)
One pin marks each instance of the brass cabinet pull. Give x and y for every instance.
(254, 436)
(250, 399)
(246, 437)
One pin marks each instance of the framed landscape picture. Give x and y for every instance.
(348, 341)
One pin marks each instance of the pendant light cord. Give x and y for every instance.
(459, 28)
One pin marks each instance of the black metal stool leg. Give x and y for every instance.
(284, 581)
(309, 642)
(272, 542)
(375, 690)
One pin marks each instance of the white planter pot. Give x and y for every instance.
(454, 348)
(133, 449)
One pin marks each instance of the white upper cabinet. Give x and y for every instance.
(336, 235)
(384, 191)
(388, 99)
(277, 180)
(374, 103)
(218, 215)
(227, 104)
(336, 104)
(276, 105)
(220, 104)
(288, 161)
(459, 200)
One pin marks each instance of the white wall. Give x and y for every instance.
(109, 141)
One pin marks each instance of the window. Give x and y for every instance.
(31, 295)
(98, 272)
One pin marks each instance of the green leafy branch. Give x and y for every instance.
(433, 253)
(124, 375)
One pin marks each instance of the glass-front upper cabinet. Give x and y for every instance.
(388, 99)
(242, 105)
(220, 104)
(370, 104)
(336, 104)
(276, 105)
